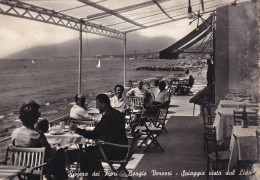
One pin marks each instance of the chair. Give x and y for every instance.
(153, 130)
(207, 123)
(122, 163)
(33, 158)
(162, 117)
(252, 117)
(136, 102)
(216, 157)
(172, 85)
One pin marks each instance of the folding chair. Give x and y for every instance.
(153, 130)
(33, 158)
(172, 85)
(136, 102)
(122, 163)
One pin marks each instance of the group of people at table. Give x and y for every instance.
(110, 128)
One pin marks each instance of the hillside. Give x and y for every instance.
(101, 46)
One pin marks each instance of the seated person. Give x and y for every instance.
(162, 99)
(111, 128)
(140, 91)
(28, 136)
(78, 110)
(42, 125)
(119, 101)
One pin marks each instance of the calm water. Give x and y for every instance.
(53, 82)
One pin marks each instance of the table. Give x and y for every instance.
(235, 104)
(224, 121)
(65, 139)
(244, 147)
(9, 172)
(95, 113)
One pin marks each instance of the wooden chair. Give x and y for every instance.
(207, 123)
(136, 102)
(215, 157)
(162, 118)
(172, 85)
(153, 129)
(33, 158)
(122, 163)
(252, 117)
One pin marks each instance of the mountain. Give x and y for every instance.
(101, 46)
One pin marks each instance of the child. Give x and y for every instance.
(42, 125)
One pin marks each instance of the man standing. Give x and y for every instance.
(210, 72)
(78, 110)
(111, 128)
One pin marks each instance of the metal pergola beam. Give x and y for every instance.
(160, 7)
(124, 9)
(109, 11)
(36, 13)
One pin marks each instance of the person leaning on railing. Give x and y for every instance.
(28, 136)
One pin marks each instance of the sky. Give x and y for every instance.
(17, 34)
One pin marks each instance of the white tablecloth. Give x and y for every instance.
(245, 147)
(224, 121)
(66, 139)
(235, 104)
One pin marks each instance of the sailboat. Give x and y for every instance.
(33, 62)
(98, 65)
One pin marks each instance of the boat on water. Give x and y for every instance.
(99, 64)
(33, 62)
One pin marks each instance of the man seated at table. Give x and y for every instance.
(162, 99)
(140, 91)
(120, 100)
(78, 111)
(111, 128)
(28, 136)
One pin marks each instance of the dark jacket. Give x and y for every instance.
(111, 128)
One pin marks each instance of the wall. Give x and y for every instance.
(221, 54)
(237, 68)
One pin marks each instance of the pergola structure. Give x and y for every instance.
(110, 18)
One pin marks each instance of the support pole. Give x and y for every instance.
(125, 61)
(80, 58)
